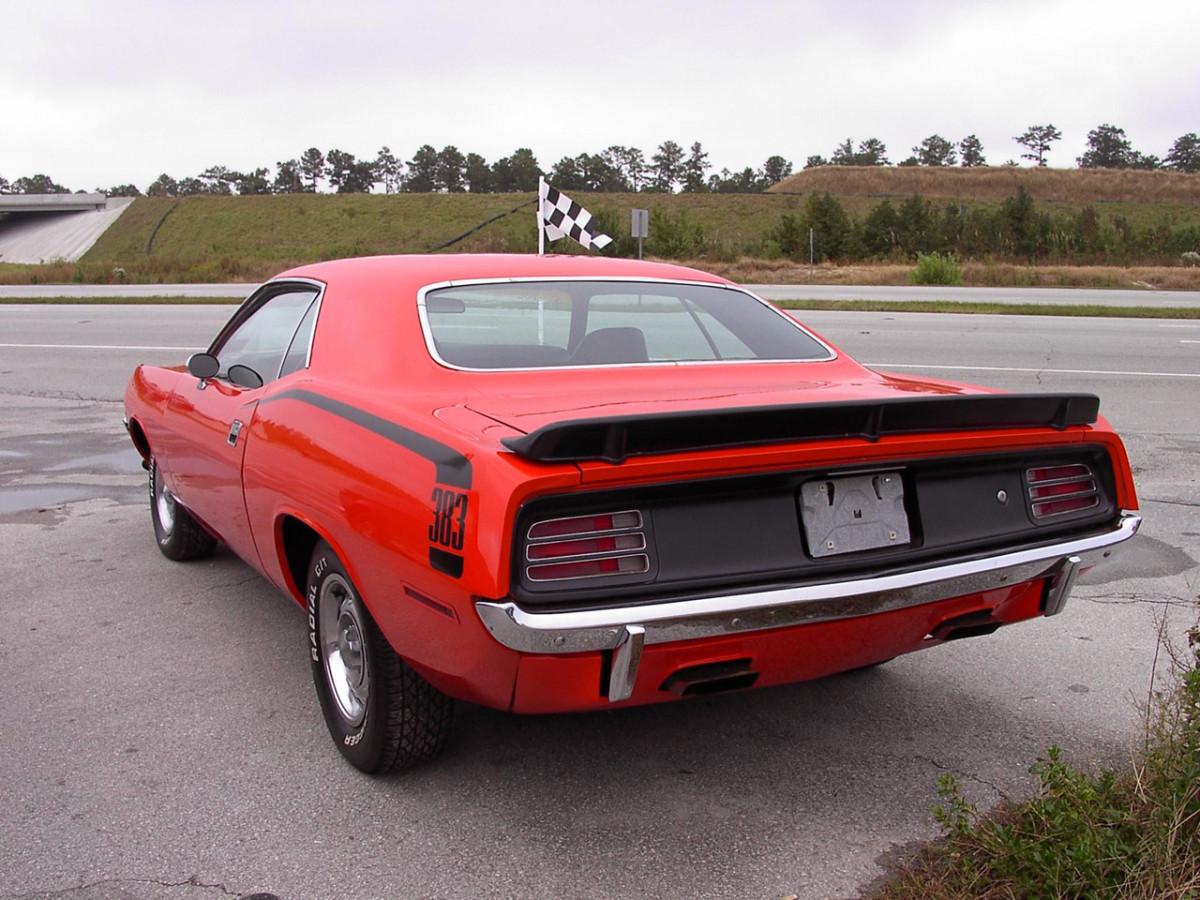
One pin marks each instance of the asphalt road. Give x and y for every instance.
(1050, 296)
(160, 738)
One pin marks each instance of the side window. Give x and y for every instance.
(297, 354)
(263, 340)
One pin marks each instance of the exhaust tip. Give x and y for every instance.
(711, 678)
(976, 624)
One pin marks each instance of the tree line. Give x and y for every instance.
(1015, 230)
(1107, 148)
(617, 169)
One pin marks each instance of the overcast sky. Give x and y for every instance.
(96, 93)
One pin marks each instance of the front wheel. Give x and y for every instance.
(179, 536)
(382, 715)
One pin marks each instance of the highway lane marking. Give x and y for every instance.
(96, 347)
(871, 365)
(1036, 371)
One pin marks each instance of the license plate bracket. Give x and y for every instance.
(853, 513)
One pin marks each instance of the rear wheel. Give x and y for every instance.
(382, 715)
(179, 536)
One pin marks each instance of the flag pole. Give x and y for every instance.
(541, 225)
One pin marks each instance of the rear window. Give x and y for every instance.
(557, 324)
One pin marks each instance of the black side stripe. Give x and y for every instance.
(448, 563)
(452, 467)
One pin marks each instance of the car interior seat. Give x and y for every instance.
(611, 346)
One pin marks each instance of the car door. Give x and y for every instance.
(211, 416)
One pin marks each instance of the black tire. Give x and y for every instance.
(382, 715)
(179, 536)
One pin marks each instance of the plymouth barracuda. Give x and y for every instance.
(563, 483)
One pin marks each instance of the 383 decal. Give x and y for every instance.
(449, 518)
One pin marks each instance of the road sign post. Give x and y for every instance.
(641, 227)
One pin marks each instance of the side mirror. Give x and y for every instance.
(203, 365)
(244, 377)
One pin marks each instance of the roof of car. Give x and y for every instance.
(433, 269)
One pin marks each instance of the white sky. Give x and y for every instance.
(96, 93)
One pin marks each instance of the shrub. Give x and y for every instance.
(1190, 258)
(674, 236)
(832, 231)
(792, 237)
(934, 268)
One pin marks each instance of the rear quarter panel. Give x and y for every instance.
(371, 473)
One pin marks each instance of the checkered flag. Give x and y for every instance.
(560, 216)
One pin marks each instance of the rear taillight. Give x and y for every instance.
(1057, 490)
(586, 547)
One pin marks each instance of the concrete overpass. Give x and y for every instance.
(50, 203)
(36, 228)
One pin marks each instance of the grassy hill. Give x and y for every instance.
(1046, 185)
(207, 239)
(289, 227)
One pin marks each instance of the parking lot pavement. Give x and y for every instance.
(161, 739)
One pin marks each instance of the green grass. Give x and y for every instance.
(306, 227)
(1050, 185)
(935, 268)
(994, 309)
(227, 238)
(206, 239)
(219, 239)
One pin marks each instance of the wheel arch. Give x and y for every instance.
(296, 540)
(296, 537)
(138, 435)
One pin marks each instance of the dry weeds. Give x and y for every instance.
(1162, 278)
(996, 183)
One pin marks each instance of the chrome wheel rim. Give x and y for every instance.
(164, 504)
(344, 649)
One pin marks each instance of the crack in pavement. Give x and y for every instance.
(963, 775)
(119, 884)
(1170, 502)
(1133, 599)
(1050, 348)
(251, 579)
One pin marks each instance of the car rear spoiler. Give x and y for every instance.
(613, 439)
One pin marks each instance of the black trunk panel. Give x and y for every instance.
(747, 530)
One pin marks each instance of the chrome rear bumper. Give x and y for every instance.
(626, 629)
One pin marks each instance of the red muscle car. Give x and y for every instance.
(547, 484)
